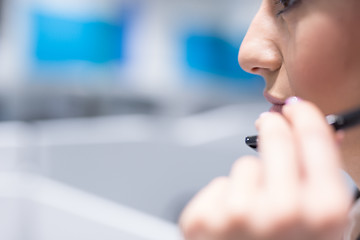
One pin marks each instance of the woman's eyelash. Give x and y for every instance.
(286, 5)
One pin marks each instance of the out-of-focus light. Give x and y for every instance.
(61, 39)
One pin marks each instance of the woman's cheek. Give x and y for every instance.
(314, 70)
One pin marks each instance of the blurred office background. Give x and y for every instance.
(114, 113)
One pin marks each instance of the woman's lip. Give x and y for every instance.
(273, 100)
(276, 108)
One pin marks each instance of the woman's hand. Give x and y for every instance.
(294, 190)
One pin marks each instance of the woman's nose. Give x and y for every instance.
(259, 52)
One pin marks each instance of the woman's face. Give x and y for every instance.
(307, 48)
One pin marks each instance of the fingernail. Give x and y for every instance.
(293, 100)
(264, 114)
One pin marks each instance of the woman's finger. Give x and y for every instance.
(245, 178)
(315, 139)
(326, 198)
(278, 151)
(203, 217)
(281, 168)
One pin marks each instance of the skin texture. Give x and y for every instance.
(311, 51)
(312, 48)
(294, 189)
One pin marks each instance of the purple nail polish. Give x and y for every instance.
(293, 100)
